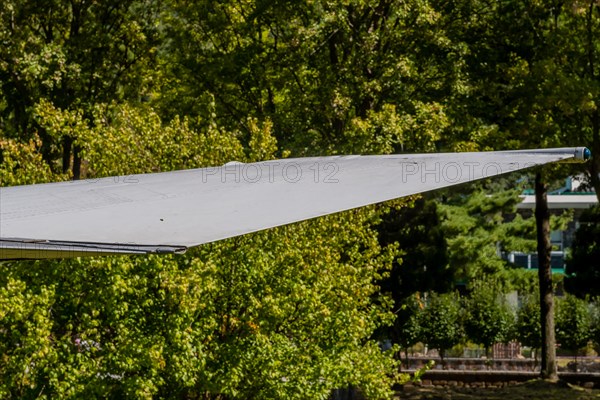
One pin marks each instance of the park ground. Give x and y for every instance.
(532, 390)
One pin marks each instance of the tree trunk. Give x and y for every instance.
(76, 163)
(66, 154)
(544, 247)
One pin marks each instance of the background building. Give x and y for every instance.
(568, 197)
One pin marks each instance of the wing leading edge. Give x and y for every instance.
(172, 211)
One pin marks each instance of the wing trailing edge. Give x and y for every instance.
(23, 249)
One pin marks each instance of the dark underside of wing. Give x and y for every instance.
(22, 249)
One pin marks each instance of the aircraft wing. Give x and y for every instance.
(172, 211)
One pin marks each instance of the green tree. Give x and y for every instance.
(574, 34)
(572, 323)
(441, 322)
(528, 327)
(478, 230)
(74, 54)
(489, 318)
(333, 77)
(406, 328)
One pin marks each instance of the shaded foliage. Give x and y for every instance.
(423, 265)
(583, 264)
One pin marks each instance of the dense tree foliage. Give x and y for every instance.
(75, 55)
(90, 89)
(333, 76)
(423, 265)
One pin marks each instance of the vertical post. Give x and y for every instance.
(66, 154)
(544, 248)
(76, 163)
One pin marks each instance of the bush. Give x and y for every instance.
(441, 326)
(528, 326)
(489, 318)
(573, 323)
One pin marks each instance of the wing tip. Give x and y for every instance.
(580, 155)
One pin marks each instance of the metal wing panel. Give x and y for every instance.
(175, 210)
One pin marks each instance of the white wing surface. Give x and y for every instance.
(172, 211)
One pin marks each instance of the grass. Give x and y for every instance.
(532, 390)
